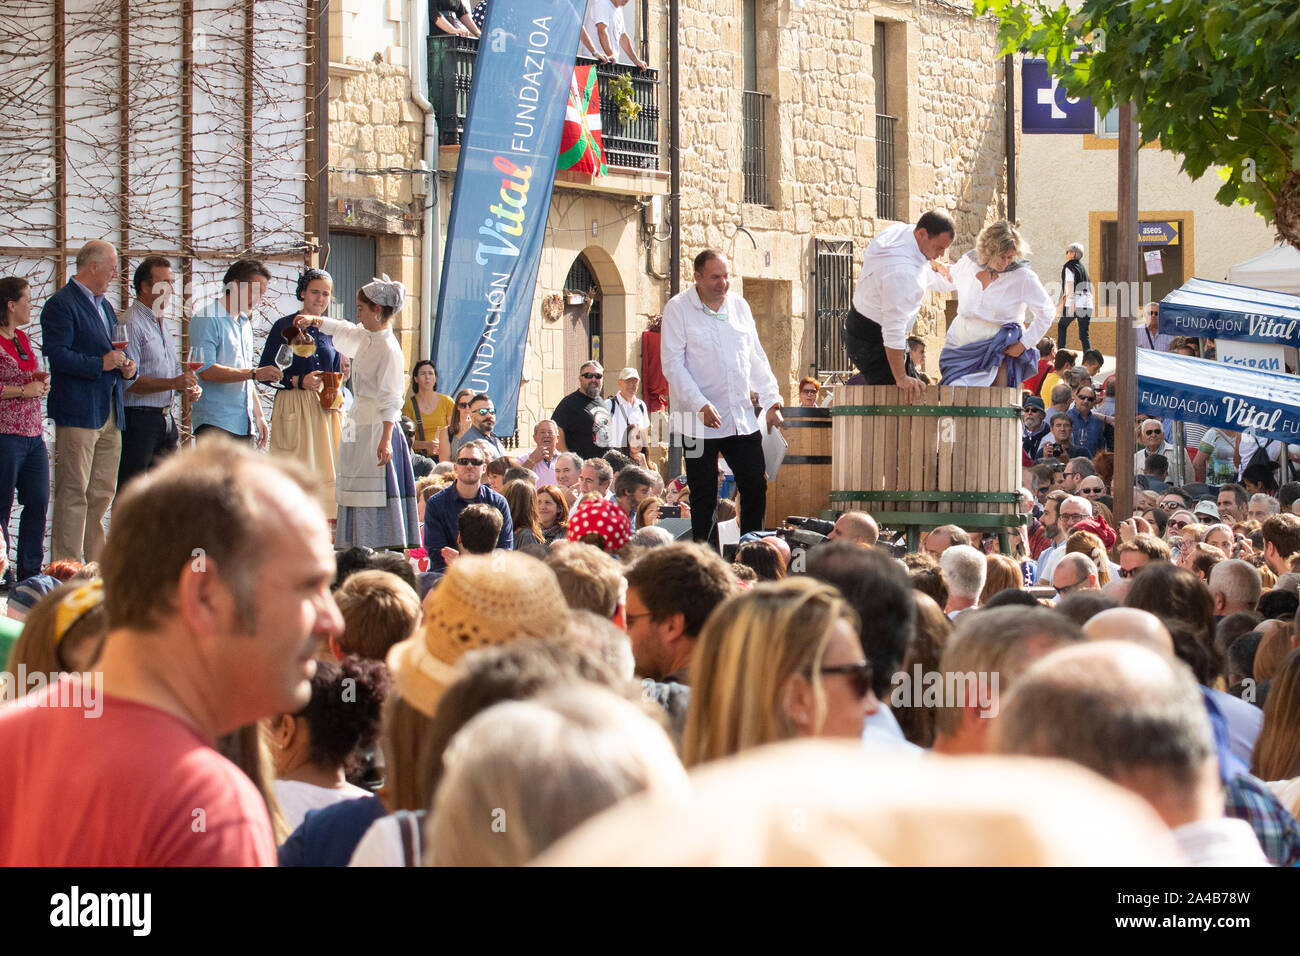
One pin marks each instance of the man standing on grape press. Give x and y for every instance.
(897, 272)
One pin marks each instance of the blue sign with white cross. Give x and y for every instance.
(1046, 108)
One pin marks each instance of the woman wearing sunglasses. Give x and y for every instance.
(457, 424)
(24, 463)
(376, 486)
(781, 660)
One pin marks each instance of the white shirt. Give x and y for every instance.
(1250, 443)
(714, 358)
(625, 416)
(982, 312)
(296, 798)
(379, 379)
(895, 278)
(603, 11)
(1168, 450)
(1222, 841)
(381, 846)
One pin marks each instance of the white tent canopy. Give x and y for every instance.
(1277, 269)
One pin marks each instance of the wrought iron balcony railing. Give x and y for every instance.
(633, 145)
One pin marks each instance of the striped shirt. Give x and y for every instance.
(153, 349)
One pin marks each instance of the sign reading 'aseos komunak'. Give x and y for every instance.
(499, 207)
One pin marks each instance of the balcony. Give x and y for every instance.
(632, 146)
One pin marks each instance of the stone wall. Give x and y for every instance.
(945, 84)
(374, 126)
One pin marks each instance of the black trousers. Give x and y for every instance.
(149, 436)
(744, 456)
(1063, 327)
(865, 343)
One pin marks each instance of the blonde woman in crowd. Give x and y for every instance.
(781, 660)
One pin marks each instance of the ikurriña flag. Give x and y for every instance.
(581, 147)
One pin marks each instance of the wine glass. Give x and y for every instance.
(284, 357)
(121, 337)
(42, 371)
(198, 357)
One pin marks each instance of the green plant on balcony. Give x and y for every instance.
(620, 87)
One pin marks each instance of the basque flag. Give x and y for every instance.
(580, 145)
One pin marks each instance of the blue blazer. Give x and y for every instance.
(75, 340)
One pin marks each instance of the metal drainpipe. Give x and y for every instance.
(1009, 79)
(674, 150)
(417, 53)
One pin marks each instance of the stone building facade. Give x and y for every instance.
(375, 144)
(826, 75)
(823, 70)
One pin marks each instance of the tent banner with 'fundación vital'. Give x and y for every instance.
(503, 192)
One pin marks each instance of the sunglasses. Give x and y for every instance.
(1170, 506)
(22, 352)
(1128, 572)
(861, 675)
(1044, 489)
(1148, 434)
(462, 404)
(808, 391)
(592, 375)
(1178, 525)
(1085, 398)
(485, 411)
(475, 462)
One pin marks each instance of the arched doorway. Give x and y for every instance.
(582, 317)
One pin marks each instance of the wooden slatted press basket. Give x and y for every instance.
(954, 458)
(803, 485)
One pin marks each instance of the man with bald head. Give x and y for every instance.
(1082, 703)
(1130, 624)
(87, 384)
(1075, 572)
(1235, 586)
(855, 527)
(997, 646)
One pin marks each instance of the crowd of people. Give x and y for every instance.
(401, 645)
(321, 712)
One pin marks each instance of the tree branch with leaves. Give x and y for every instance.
(1214, 81)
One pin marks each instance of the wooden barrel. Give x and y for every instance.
(956, 452)
(803, 484)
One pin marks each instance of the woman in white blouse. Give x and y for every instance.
(376, 486)
(994, 285)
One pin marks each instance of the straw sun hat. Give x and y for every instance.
(482, 601)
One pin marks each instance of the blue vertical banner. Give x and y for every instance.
(499, 207)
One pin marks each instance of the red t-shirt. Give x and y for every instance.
(131, 787)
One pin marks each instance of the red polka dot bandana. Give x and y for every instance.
(604, 518)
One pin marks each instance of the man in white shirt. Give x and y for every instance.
(713, 359)
(628, 410)
(604, 24)
(1153, 443)
(896, 274)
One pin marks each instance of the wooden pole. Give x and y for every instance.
(60, 144)
(1128, 307)
(124, 150)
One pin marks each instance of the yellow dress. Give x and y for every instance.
(438, 418)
